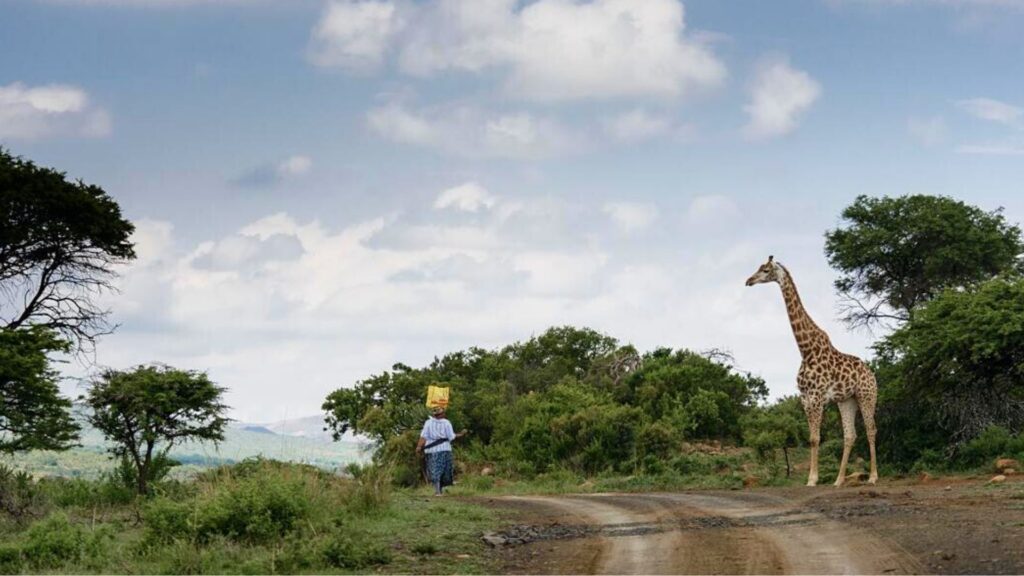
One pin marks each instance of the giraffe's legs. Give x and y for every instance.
(813, 409)
(848, 414)
(867, 411)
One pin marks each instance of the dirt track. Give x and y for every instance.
(892, 530)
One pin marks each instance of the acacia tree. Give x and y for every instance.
(147, 410)
(60, 242)
(33, 414)
(895, 254)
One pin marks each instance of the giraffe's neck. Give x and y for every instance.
(808, 335)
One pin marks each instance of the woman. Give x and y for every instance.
(436, 442)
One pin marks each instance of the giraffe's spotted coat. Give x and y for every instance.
(826, 375)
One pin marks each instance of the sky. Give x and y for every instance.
(323, 188)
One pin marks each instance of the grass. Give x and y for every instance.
(256, 517)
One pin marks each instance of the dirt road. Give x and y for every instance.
(765, 532)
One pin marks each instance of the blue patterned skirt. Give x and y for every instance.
(440, 467)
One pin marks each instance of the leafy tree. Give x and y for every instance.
(779, 426)
(60, 242)
(148, 410)
(898, 253)
(33, 414)
(570, 397)
(962, 356)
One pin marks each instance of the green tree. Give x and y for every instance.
(962, 357)
(775, 427)
(33, 414)
(60, 242)
(895, 254)
(146, 411)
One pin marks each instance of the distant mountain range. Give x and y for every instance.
(311, 427)
(296, 440)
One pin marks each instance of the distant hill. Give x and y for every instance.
(311, 427)
(241, 441)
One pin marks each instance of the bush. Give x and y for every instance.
(107, 491)
(55, 541)
(372, 491)
(254, 509)
(343, 550)
(20, 496)
(166, 520)
(10, 559)
(995, 442)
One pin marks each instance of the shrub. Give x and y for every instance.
(56, 541)
(20, 496)
(166, 520)
(253, 509)
(343, 550)
(373, 489)
(994, 442)
(11, 561)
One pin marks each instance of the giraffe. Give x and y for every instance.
(826, 375)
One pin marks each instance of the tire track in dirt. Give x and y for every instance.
(716, 534)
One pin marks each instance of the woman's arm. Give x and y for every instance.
(420, 444)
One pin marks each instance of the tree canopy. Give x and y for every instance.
(895, 254)
(570, 397)
(33, 414)
(962, 356)
(147, 410)
(60, 241)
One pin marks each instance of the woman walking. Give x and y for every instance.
(436, 442)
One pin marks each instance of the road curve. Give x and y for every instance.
(695, 533)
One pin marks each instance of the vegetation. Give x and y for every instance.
(258, 516)
(60, 242)
(898, 253)
(146, 411)
(569, 398)
(33, 414)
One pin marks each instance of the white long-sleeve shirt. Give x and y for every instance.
(436, 429)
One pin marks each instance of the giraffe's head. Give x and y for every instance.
(770, 271)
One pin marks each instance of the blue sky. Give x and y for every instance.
(324, 188)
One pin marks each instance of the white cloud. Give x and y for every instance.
(269, 175)
(284, 310)
(354, 35)
(55, 110)
(779, 95)
(294, 166)
(993, 110)
(992, 149)
(468, 197)
(928, 131)
(549, 50)
(469, 131)
(711, 210)
(630, 217)
(636, 125)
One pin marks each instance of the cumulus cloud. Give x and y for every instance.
(468, 197)
(354, 35)
(272, 174)
(993, 110)
(283, 310)
(636, 125)
(550, 50)
(48, 111)
(779, 95)
(630, 217)
(469, 131)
